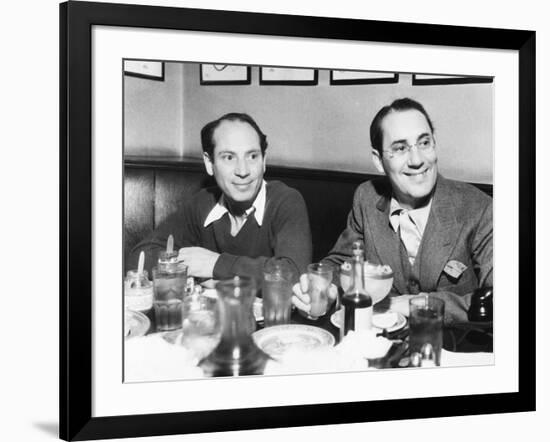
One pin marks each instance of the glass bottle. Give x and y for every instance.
(356, 302)
(236, 353)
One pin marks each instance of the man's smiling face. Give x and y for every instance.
(413, 174)
(238, 164)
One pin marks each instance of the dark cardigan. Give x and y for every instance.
(284, 233)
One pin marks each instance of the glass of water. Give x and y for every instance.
(278, 278)
(426, 324)
(200, 324)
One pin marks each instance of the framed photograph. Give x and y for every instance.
(139, 158)
(220, 74)
(358, 77)
(151, 70)
(288, 76)
(429, 79)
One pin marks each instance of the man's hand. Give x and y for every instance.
(400, 304)
(301, 299)
(200, 262)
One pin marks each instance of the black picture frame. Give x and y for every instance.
(384, 78)
(139, 73)
(431, 80)
(222, 82)
(75, 414)
(282, 81)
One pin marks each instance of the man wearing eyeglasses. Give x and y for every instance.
(436, 234)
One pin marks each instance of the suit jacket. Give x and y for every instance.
(459, 230)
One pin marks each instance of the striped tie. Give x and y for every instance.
(410, 235)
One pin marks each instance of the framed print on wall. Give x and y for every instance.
(92, 335)
(355, 77)
(429, 79)
(288, 76)
(152, 70)
(220, 74)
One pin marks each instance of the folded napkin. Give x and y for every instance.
(152, 358)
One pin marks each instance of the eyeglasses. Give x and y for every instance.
(400, 149)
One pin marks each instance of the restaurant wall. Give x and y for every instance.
(322, 126)
(153, 114)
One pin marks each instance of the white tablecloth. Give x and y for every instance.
(152, 358)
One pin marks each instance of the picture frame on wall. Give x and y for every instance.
(271, 75)
(224, 74)
(95, 402)
(435, 79)
(343, 77)
(150, 70)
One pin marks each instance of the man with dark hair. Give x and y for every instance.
(235, 227)
(436, 234)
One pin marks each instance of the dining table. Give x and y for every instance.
(155, 355)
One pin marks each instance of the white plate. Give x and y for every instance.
(135, 324)
(277, 340)
(337, 319)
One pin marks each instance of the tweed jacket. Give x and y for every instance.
(459, 233)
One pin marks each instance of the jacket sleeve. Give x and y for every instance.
(291, 242)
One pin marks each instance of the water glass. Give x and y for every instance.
(426, 324)
(200, 324)
(169, 285)
(319, 279)
(278, 278)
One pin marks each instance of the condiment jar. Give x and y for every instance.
(138, 291)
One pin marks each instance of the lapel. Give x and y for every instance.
(386, 242)
(440, 235)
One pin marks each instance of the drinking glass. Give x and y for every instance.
(426, 324)
(277, 292)
(169, 284)
(200, 324)
(319, 279)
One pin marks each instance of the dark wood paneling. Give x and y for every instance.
(173, 188)
(328, 195)
(139, 192)
(272, 172)
(328, 204)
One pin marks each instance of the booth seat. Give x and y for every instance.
(156, 187)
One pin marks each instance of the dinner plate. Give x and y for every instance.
(278, 339)
(135, 324)
(378, 320)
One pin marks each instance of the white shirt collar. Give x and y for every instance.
(258, 207)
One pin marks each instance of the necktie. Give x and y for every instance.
(410, 235)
